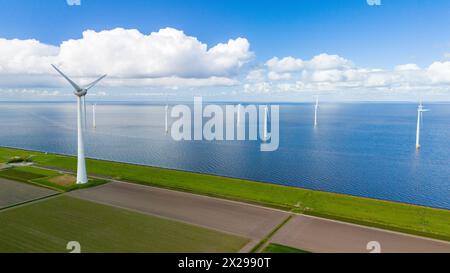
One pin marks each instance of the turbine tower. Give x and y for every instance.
(166, 109)
(315, 112)
(83, 100)
(94, 124)
(420, 111)
(265, 124)
(239, 114)
(80, 93)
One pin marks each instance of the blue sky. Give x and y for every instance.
(377, 37)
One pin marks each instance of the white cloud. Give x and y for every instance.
(171, 60)
(25, 56)
(27, 93)
(333, 73)
(323, 67)
(128, 54)
(173, 82)
(439, 72)
(325, 62)
(255, 75)
(261, 87)
(169, 52)
(287, 64)
(406, 67)
(319, 62)
(274, 76)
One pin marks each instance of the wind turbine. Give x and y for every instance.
(80, 92)
(315, 112)
(94, 124)
(265, 124)
(166, 109)
(83, 100)
(238, 114)
(420, 111)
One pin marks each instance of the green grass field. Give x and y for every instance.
(43, 178)
(383, 214)
(48, 225)
(276, 248)
(18, 175)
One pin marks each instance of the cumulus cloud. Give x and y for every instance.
(439, 72)
(286, 64)
(256, 75)
(167, 56)
(278, 76)
(327, 72)
(25, 56)
(173, 60)
(326, 62)
(407, 67)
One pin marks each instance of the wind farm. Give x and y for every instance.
(225, 128)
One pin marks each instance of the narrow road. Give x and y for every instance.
(322, 235)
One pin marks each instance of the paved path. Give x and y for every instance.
(322, 235)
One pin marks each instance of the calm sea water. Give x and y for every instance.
(365, 149)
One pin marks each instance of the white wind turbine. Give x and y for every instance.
(420, 111)
(83, 101)
(94, 123)
(315, 112)
(166, 109)
(265, 123)
(80, 92)
(239, 114)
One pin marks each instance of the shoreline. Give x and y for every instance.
(390, 215)
(231, 177)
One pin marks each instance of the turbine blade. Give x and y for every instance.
(77, 88)
(94, 82)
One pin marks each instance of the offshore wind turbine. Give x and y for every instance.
(94, 124)
(80, 92)
(166, 109)
(420, 111)
(83, 100)
(238, 114)
(265, 124)
(315, 112)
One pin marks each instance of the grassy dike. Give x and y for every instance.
(424, 221)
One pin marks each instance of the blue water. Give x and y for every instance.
(364, 149)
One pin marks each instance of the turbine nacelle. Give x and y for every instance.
(421, 109)
(80, 93)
